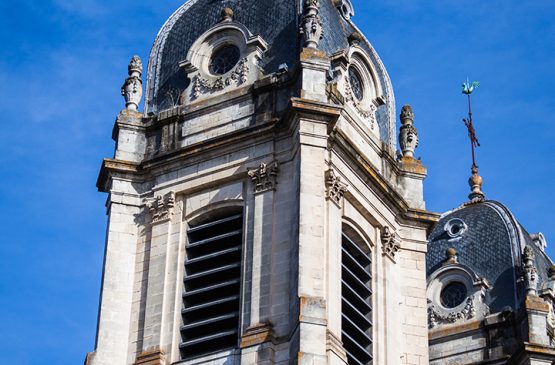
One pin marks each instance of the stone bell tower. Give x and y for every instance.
(258, 212)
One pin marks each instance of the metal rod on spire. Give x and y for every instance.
(475, 180)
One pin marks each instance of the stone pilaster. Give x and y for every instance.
(335, 189)
(160, 291)
(115, 316)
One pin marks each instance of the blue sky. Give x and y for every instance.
(62, 64)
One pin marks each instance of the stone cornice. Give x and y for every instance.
(384, 188)
(111, 167)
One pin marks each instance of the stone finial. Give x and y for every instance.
(226, 15)
(335, 187)
(408, 136)
(475, 181)
(265, 177)
(529, 272)
(355, 38)
(451, 255)
(132, 89)
(311, 27)
(390, 242)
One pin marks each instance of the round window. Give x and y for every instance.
(356, 84)
(453, 295)
(224, 59)
(455, 227)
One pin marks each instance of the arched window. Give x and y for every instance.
(356, 300)
(212, 285)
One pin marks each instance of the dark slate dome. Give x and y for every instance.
(277, 22)
(490, 241)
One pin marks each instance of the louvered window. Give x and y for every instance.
(212, 286)
(356, 303)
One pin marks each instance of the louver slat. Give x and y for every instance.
(356, 308)
(212, 287)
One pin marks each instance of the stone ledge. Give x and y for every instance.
(151, 357)
(257, 334)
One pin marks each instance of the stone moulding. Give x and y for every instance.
(161, 207)
(264, 177)
(335, 188)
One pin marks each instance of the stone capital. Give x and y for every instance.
(161, 208)
(264, 177)
(335, 188)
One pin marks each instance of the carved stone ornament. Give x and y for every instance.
(390, 243)
(367, 113)
(529, 272)
(311, 27)
(408, 136)
(161, 207)
(265, 177)
(335, 188)
(238, 77)
(437, 318)
(132, 89)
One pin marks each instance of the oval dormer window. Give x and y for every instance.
(356, 84)
(453, 295)
(224, 59)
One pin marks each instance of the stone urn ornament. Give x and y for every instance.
(132, 89)
(311, 27)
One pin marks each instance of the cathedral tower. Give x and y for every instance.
(258, 210)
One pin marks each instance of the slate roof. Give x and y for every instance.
(492, 247)
(277, 22)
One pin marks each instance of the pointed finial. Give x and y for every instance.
(311, 27)
(451, 254)
(132, 89)
(408, 136)
(226, 15)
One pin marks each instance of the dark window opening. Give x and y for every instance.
(356, 84)
(356, 303)
(224, 59)
(453, 295)
(211, 301)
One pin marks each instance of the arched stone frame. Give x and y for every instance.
(473, 307)
(354, 227)
(196, 65)
(373, 94)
